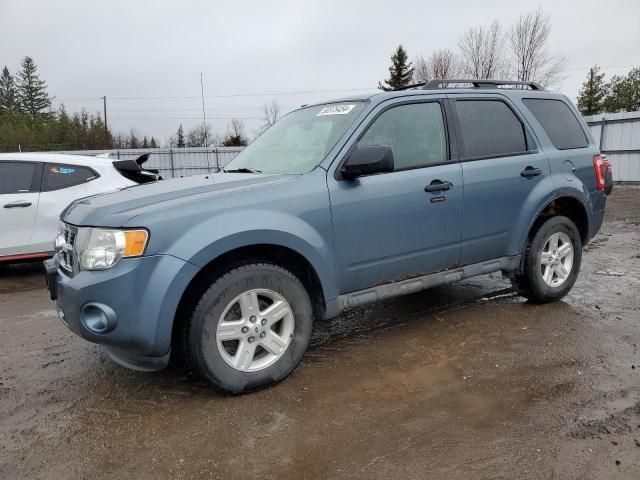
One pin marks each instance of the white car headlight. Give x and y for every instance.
(102, 248)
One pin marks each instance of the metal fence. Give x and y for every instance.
(174, 162)
(618, 135)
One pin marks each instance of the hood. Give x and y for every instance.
(114, 209)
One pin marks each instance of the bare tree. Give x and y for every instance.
(235, 136)
(530, 60)
(441, 64)
(481, 50)
(198, 136)
(421, 70)
(271, 113)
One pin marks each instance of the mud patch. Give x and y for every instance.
(624, 422)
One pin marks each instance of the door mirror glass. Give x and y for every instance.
(367, 160)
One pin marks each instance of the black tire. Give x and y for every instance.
(528, 281)
(199, 335)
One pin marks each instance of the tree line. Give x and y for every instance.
(235, 136)
(620, 94)
(29, 123)
(520, 53)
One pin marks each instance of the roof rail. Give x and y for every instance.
(480, 83)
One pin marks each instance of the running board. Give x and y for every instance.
(416, 284)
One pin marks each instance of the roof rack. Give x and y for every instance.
(479, 83)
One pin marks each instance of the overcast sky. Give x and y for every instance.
(125, 48)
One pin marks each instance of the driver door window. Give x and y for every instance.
(415, 132)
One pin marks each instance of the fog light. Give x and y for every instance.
(98, 318)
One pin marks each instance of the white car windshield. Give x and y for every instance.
(299, 142)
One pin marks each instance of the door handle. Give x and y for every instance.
(530, 172)
(17, 205)
(438, 186)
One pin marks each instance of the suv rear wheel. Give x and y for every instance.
(551, 261)
(250, 329)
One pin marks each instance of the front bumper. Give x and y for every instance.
(143, 293)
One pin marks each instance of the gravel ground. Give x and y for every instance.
(464, 381)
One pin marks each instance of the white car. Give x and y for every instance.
(36, 187)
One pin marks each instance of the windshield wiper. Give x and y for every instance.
(241, 170)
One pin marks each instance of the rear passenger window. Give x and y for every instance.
(415, 132)
(16, 177)
(559, 122)
(58, 176)
(489, 129)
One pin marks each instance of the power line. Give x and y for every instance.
(600, 66)
(185, 118)
(232, 95)
(199, 109)
(272, 94)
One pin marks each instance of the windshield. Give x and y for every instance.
(297, 143)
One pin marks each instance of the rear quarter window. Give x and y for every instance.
(558, 121)
(58, 176)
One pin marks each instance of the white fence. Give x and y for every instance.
(618, 135)
(174, 162)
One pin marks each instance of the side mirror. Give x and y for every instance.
(367, 160)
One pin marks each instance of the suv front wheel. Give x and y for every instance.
(249, 329)
(551, 261)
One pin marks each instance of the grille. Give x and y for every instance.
(65, 254)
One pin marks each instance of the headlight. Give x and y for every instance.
(102, 248)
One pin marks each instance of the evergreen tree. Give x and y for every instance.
(590, 100)
(65, 134)
(400, 71)
(623, 93)
(134, 142)
(180, 139)
(8, 92)
(145, 142)
(32, 92)
(152, 143)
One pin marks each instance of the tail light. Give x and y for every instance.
(601, 166)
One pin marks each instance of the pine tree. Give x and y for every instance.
(32, 92)
(145, 142)
(153, 143)
(590, 101)
(65, 135)
(8, 92)
(134, 142)
(400, 71)
(180, 140)
(623, 93)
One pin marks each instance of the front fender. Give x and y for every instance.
(206, 241)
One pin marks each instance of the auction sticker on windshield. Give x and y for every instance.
(335, 110)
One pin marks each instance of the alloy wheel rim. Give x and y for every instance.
(255, 330)
(556, 260)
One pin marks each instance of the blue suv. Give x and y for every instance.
(337, 205)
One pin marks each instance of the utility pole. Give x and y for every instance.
(104, 105)
(204, 123)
